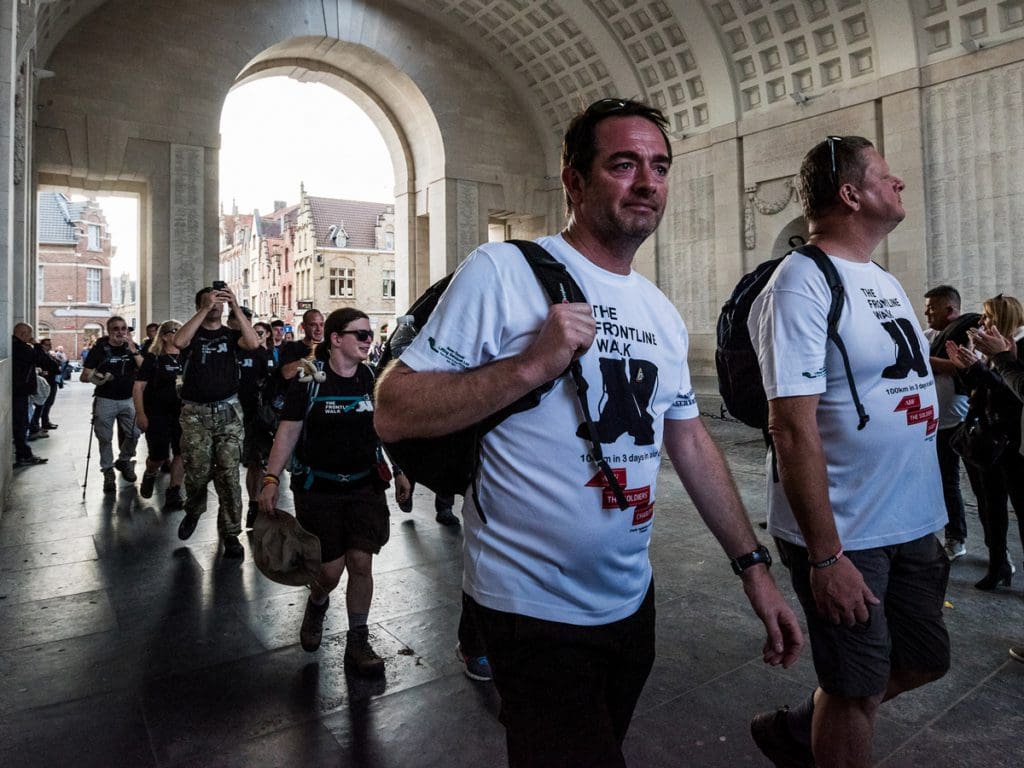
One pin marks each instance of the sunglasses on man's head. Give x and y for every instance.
(361, 335)
(832, 152)
(606, 106)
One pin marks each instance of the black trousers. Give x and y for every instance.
(19, 423)
(567, 692)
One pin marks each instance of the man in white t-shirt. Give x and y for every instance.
(558, 577)
(855, 506)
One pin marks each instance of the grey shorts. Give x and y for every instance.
(352, 519)
(903, 632)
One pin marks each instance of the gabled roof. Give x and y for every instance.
(359, 219)
(56, 217)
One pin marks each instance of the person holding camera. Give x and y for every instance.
(211, 415)
(110, 366)
(992, 396)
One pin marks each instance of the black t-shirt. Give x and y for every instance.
(339, 434)
(254, 366)
(119, 361)
(161, 377)
(210, 365)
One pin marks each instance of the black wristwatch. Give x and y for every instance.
(759, 555)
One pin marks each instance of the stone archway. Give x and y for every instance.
(460, 144)
(302, 59)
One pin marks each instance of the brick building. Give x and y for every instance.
(73, 287)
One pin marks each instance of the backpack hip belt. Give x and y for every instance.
(334, 477)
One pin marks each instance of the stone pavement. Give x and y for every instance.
(122, 646)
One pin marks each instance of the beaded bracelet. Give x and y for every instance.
(828, 560)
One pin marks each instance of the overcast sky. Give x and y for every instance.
(276, 133)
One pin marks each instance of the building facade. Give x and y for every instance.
(73, 282)
(323, 253)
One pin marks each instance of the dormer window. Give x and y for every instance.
(338, 235)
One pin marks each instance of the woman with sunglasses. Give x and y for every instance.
(1002, 317)
(158, 413)
(339, 481)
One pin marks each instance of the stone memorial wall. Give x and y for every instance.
(686, 242)
(186, 240)
(974, 150)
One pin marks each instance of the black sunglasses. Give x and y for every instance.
(606, 106)
(361, 335)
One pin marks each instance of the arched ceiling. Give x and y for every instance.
(704, 62)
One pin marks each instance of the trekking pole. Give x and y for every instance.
(88, 452)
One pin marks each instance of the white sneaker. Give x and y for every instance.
(954, 548)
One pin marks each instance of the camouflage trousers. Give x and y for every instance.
(211, 445)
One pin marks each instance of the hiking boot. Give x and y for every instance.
(312, 628)
(954, 548)
(233, 548)
(772, 735)
(109, 481)
(187, 526)
(359, 656)
(250, 516)
(148, 481)
(173, 500)
(477, 667)
(445, 516)
(126, 469)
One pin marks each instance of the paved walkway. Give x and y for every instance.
(122, 646)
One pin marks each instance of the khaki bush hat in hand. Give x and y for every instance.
(285, 551)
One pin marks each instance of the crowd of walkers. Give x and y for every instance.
(558, 588)
(212, 395)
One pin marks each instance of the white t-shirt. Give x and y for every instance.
(556, 546)
(883, 481)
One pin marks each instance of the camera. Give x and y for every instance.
(219, 285)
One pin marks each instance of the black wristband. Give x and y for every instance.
(759, 555)
(828, 561)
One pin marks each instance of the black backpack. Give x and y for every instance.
(739, 374)
(447, 464)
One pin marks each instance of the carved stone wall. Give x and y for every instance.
(686, 242)
(186, 237)
(974, 150)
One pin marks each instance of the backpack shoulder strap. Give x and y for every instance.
(835, 285)
(562, 288)
(551, 273)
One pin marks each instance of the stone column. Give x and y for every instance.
(187, 194)
(11, 299)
